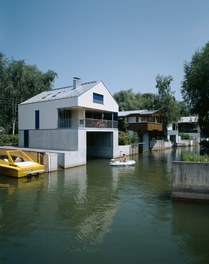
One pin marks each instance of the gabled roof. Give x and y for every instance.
(61, 93)
(137, 112)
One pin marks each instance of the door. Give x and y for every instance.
(26, 138)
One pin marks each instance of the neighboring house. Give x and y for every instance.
(81, 119)
(147, 124)
(187, 125)
(172, 132)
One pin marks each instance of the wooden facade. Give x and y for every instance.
(143, 121)
(145, 126)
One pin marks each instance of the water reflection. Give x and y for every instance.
(98, 213)
(190, 228)
(85, 204)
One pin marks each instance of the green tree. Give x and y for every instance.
(166, 101)
(149, 101)
(19, 82)
(128, 100)
(184, 109)
(195, 86)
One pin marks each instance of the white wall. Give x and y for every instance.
(48, 113)
(86, 99)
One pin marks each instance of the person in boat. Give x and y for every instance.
(124, 158)
(19, 159)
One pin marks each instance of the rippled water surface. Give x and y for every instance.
(102, 214)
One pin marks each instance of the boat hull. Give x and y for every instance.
(122, 163)
(21, 172)
(15, 163)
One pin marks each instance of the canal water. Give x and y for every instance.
(102, 214)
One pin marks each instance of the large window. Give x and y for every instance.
(64, 118)
(98, 98)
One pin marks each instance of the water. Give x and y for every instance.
(102, 214)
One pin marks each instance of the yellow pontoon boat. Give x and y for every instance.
(16, 163)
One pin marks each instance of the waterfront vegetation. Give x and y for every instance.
(193, 157)
(8, 140)
(126, 139)
(185, 136)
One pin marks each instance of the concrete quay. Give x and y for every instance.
(190, 181)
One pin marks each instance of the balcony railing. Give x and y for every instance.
(145, 126)
(98, 123)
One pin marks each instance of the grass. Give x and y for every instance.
(192, 157)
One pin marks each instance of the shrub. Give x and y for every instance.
(126, 139)
(8, 140)
(187, 156)
(185, 136)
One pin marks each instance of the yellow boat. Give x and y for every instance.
(16, 163)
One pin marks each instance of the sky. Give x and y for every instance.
(123, 43)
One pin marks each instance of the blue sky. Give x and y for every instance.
(124, 43)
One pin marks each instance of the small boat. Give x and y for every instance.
(16, 163)
(115, 162)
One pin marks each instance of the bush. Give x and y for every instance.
(126, 139)
(185, 136)
(8, 140)
(187, 156)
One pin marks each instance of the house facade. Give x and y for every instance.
(147, 124)
(80, 119)
(187, 125)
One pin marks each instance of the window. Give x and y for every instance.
(64, 118)
(98, 98)
(37, 119)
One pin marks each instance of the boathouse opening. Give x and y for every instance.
(99, 144)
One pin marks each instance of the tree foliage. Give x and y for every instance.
(18, 82)
(195, 86)
(127, 100)
(166, 101)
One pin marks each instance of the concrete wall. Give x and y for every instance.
(146, 145)
(160, 144)
(56, 139)
(190, 180)
(127, 150)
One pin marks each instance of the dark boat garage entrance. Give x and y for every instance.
(100, 144)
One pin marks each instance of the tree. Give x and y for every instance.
(18, 82)
(166, 101)
(128, 100)
(149, 101)
(184, 109)
(195, 86)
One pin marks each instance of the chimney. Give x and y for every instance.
(76, 82)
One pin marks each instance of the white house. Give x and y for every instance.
(80, 120)
(187, 125)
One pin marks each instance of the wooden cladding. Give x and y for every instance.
(145, 126)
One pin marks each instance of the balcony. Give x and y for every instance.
(145, 126)
(97, 123)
